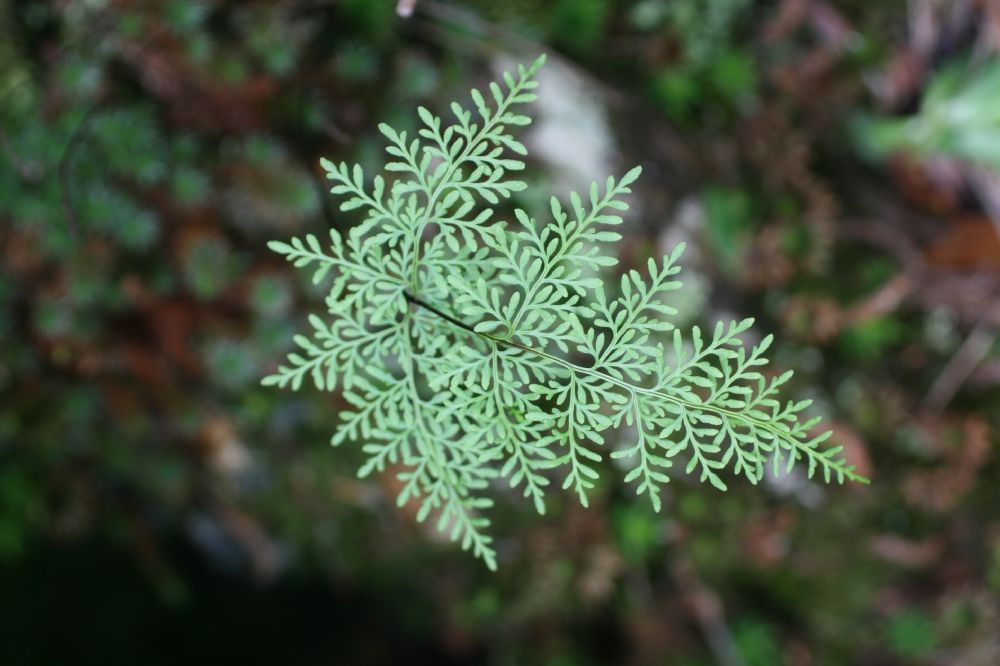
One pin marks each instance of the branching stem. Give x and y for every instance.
(841, 467)
(442, 185)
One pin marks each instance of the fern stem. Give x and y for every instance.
(442, 185)
(410, 298)
(446, 475)
(841, 468)
(554, 262)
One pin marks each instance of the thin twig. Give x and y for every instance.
(840, 467)
(410, 298)
(960, 367)
(65, 184)
(489, 37)
(325, 206)
(708, 612)
(333, 131)
(469, 20)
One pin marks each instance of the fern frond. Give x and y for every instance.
(457, 339)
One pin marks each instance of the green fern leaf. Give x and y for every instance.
(453, 337)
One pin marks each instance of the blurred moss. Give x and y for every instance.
(757, 642)
(185, 15)
(733, 75)
(676, 91)
(912, 634)
(191, 186)
(358, 62)
(638, 531)
(728, 216)
(704, 28)
(483, 608)
(578, 24)
(376, 20)
(271, 295)
(872, 338)
(994, 572)
(232, 364)
(210, 267)
(19, 510)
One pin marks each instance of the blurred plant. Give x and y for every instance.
(501, 393)
(703, 27)
(210, 267)
(912, 634)
(579, 24)
(994, 572)
(710, 65)
(19, 508)
(637, 531)
(271, 295)
(757, 642)
(269, 190)
(959, 117)
(728, 219)
(232, 364)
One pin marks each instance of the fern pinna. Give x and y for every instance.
(474, 350)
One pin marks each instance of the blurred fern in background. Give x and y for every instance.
(959, 117)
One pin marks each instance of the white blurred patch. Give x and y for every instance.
(404, 8)
(570, 132)
(687, 226)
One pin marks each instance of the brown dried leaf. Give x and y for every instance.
(969, 242)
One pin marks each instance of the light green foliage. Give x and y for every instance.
(474, 350)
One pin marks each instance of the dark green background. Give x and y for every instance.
(158, 506)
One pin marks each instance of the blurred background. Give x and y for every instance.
(833, 165)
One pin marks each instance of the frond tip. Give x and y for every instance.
(451, 336)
